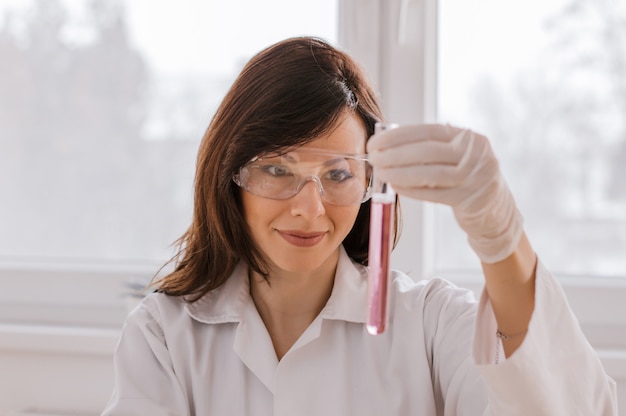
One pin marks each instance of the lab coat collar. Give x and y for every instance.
(348, 300)
(227, 303)
(231, 301)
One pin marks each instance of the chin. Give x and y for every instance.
(298, 265)
(303, 262)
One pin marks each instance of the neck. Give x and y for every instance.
(290, 301)
(289, 295)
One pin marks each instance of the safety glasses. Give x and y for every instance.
(341, 179)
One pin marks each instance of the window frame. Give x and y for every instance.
(396, 43)
(403, 68)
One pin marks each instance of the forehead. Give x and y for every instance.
(348, 136)
(314, 157)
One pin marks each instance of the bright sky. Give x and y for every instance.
(481, 36)
(216, 34)
(488, 37)
(213, 36)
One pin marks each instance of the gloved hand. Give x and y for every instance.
(456, 167)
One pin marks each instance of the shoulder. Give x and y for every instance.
(158, 303)
(156, 310)
(437, 286)
(437, 311)
(436, 293)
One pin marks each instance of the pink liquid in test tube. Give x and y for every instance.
(381, 234)
(381, 221)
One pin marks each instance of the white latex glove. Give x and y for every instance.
(456, 167)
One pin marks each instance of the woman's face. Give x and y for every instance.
(303, 232)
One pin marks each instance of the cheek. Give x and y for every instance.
(246, 207)
(345, 218)
(258, 212)
(251, 212)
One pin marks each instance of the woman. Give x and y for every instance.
(264, 313)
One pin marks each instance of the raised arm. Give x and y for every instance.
(556, 371)
(510, 284)
(457, 167)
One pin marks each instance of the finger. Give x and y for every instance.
(423, 176)
(411, 133)
(416, 153)
(425, 160)
(437, 195)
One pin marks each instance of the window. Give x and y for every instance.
(482, 65)
(104, 109)
(103, 106)
(545, 81)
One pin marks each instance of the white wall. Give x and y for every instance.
(58, 331)
(55, 383)
(68, 371)
(65, 371)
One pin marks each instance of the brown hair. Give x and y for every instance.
(287, 95)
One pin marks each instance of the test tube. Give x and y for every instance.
(380, 242)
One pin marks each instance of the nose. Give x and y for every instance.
(308, 201)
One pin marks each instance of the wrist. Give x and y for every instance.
(493, 231)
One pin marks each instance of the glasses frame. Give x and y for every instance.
(367, 194)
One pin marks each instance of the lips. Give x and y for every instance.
(301, 238)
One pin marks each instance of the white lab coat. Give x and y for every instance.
(215, 357)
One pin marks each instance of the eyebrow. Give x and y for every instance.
(291, 159)
(338, 158)
(358, 156)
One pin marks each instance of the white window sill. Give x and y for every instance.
(57, 339)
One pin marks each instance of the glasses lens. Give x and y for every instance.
(342, 179)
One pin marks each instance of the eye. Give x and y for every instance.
(339, 175)
(276, 170)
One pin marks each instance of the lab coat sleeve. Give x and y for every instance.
(449, 317)
(555, 372)
(145, 382)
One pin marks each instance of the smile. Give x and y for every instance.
(301, 239)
